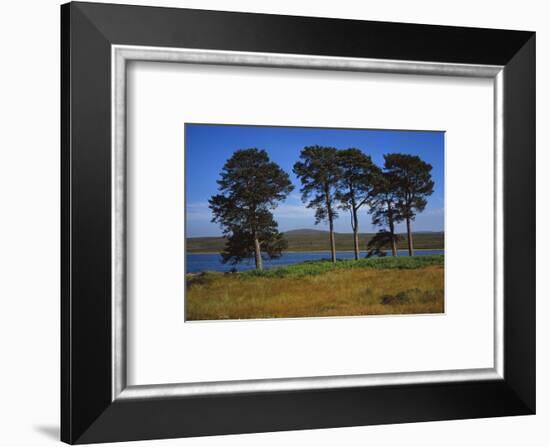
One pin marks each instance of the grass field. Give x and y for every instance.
(381, 286)
(316, 240)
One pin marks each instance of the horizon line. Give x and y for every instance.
(336, 232)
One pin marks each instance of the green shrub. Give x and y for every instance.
(310, 268)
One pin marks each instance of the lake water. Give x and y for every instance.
(212, 261)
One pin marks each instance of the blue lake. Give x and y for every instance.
(212, 261)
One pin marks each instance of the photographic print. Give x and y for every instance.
(288, 222)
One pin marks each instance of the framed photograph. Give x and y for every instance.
(253, 247)
(278, 223)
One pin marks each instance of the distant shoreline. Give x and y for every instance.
(315, 251)
(300, 241)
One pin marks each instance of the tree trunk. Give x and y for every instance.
(332, 242)
(393, 245)
(355, 234)
(392, 232)
(410, 237)
(328, 203)
(257, 254)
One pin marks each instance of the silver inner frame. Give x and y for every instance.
(120, 55)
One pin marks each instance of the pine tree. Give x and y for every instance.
(355, 186)
(414, 184)
(250, 187)
(319, 172)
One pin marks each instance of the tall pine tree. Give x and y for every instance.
(319, 172)
(386, 212)
(355, 186)
(414, 184)
(250, 187)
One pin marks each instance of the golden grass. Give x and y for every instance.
(341, 292)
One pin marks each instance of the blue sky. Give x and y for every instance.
(209, 146)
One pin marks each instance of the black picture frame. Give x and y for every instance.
(88, 412)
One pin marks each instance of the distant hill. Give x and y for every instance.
(317, 240)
